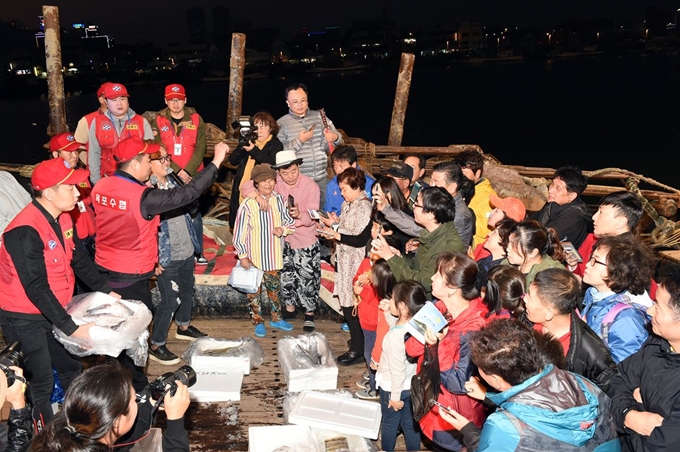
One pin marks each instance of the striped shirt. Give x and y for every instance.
(253, 236)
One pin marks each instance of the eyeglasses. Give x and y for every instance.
(593, 261)
(176, 99)
(167, 158)
(418, 206)
(298, 101)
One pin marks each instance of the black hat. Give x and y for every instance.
(401, 170)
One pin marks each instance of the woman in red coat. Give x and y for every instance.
(458, 299)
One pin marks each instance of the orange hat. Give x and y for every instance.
(101, 90)
(131, 147)
(64, 142)
(56, 172)
(512, 207)
(175, 91)
(114, 90)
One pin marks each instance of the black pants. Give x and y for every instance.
(42, 351)
(356, 334)
(142, 292)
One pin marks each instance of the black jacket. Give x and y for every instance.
(588, 356)
(572, 221)
(19, 430)
(239, 158)
(655, 369)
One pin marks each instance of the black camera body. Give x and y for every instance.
(247, 131)
(11, 356)
(167, 382)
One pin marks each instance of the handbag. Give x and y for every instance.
(426, 384)
(246, 281)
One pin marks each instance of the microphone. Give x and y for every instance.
(175, 177)
(153, 180)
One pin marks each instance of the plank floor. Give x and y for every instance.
(224, 426)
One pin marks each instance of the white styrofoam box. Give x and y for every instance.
(301, 375)
(269, 438)
(337, 413)
(217, 386)
(218, 363)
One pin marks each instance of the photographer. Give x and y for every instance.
(256, 145)
(20, 423)
(100, 408)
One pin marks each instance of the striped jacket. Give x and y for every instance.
(253, 237)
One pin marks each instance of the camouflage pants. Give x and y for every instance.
(271, 283)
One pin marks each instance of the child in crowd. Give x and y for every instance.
(395, 371)
(504, 294)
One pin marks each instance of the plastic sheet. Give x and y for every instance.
(119, 325)
(307, 362)
(209, 353)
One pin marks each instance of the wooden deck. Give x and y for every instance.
(224, 426)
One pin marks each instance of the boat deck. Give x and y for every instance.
(224, 426)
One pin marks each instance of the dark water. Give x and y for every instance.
(592, 112)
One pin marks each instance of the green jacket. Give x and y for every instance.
(422, 266)
(546, 263)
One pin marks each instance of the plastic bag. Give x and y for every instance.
(246, 281)
(119, 325)
(425, 385)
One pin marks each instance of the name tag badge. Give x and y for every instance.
(132, 126)
(178, 149)
(68, 234)
(81, 207)
(191, 127)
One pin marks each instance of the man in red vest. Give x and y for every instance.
(65, 146)
(40, 255)
(127, 218)
(83, 128)
(181, 131)
(119, 122)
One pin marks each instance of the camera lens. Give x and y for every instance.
(187, 375)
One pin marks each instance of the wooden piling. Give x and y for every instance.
(55, 77)
(401, 99)
(237, 65)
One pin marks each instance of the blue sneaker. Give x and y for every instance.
(345, 327)
(260, 331)
(281, 325)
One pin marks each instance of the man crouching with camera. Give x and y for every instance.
(101, 409)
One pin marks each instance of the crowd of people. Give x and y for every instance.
(560, 328)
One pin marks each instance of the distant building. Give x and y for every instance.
(470, 35)
(198, 32)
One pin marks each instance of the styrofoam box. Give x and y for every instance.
(220, 363)
(217, 386)
(269, 438)
(341, 414)
(309, 378)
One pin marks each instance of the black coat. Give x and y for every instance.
(239, 158)
(655, 369)
(588, 356)
(572, 221)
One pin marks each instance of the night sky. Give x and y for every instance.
(165, 21)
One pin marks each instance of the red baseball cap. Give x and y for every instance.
(114, 90)
(56, 172)
(64, 142)
(175, 91)
(131, 147)
(101, 90)
(512, 207)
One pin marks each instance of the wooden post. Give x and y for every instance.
(55, 78)
(401, 99)
(237, 65)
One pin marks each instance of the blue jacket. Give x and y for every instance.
(628, 331)
(334, 199)
(554, 410)
(164, 238)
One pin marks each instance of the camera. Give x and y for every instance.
(167, 382)
(11, 356)
(246, 129)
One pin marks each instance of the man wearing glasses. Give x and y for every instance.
(182, 132)
(302, 131)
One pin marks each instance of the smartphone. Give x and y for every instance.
(570, 249)
(322, 213)
(291, 201)
(312, 128)
(314, 214)
(413, 196)
(441, 407)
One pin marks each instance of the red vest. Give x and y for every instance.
(108, 139)
(187, 138)
(58, 259)
(126, 242)
(84, 221)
